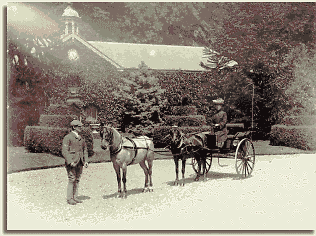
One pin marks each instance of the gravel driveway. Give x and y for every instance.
(280, 195)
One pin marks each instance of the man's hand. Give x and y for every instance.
(86, 164)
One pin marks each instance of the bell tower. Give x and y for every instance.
(71, 19)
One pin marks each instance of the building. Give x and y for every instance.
(118, 56)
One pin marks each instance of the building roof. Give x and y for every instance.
(159, 57)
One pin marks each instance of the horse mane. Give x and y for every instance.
(117, 137)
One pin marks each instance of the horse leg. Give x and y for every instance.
(145, 169)
(118, 177)
(150, 165)
(124, 169)
(183, 170)
(204, 168)
(204, 154)
(176, 162)
(199, 169)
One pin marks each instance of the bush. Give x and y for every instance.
(299, 120)
(49, 139)
(303, 137)
(193, 120)
(87, 135)
(56, 120)
(183, 110)
(44, 139)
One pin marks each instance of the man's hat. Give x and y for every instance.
(75, 123)
(219, 101)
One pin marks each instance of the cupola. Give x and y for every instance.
(71, 19)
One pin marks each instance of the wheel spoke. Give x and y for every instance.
(249, 160)
(239, 165)
(247, 169)
(249, 166)
(243, 168)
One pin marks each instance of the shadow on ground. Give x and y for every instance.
(129, 192)
(83, 198)
(209, 177)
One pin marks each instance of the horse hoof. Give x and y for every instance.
(175, 183)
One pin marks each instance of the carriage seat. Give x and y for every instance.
(233, 129)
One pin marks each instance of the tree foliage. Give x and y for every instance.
(140, 95)
(301, 92)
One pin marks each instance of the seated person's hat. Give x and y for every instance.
(75, 123)
(218, 101)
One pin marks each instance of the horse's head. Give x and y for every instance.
(106, 134)
(176, 138)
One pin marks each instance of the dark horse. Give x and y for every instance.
(124, 152)
(186, 146)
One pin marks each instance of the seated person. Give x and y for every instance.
(218, 122)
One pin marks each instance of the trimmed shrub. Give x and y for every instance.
(183, 110)
(299, 120)
(193, 120)
(62, 121)
(87, 135)
(44, 139)
(303, 137)
(49, 139)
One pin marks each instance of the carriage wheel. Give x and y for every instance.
(244, 158)
(195, 164)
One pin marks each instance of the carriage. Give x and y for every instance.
(238, 146)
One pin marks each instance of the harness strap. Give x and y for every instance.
(181, 141)
(112, 152)
(202, 139)
(134, 147)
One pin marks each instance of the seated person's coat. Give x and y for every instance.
(220, 131)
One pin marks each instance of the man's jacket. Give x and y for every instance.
(74, 149)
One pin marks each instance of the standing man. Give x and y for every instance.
(75, 152)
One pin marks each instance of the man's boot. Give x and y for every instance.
(76, 187)
(70, 194)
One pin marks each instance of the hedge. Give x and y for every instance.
(183, 110)
(303, 137)
(49, 139)
(299, 120)
(56, 120)
(192, 120)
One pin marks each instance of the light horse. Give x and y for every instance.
(125, 151)
(186, 146)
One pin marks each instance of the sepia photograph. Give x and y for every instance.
(160, 117)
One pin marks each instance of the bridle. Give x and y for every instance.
(109, 140)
